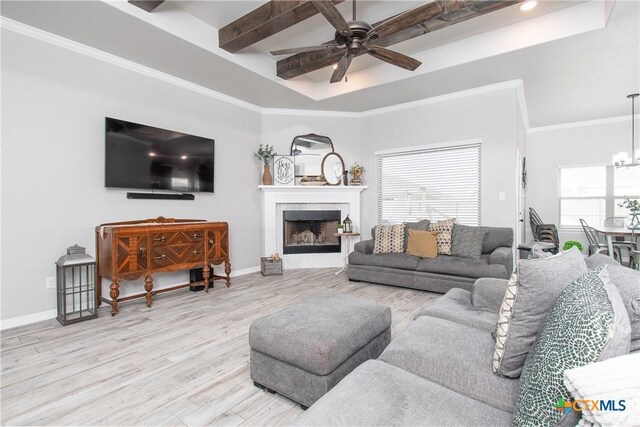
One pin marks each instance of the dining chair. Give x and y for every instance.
(634, 253)
(597, 242)
(547, 233)
(534, 222)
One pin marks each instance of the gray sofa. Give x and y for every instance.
(437, 372)
(437, 274)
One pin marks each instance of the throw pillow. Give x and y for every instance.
(502, 326)
(539, 283)
(388, 238)
(467, 241)
(628, 283)
(423, 225)
(423, 244)
(444, 229)
(587, 323)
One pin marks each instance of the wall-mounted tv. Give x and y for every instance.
(149, 158)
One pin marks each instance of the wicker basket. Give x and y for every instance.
(269, 267)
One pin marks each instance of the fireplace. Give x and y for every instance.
(307, 232)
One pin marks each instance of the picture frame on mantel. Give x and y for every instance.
(283, 170)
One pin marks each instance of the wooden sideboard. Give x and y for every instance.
(133, 249)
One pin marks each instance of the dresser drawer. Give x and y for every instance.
(169, 255)
(177, 238)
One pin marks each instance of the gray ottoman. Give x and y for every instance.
(304, 350)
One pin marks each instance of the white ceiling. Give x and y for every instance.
(575, 65)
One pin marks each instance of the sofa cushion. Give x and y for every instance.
(540, 281)
(389, 239)
(399, 261)
(444, 229)
(456, 306)
(487, 294)
(587, 323)
(319, 334)
(458, 266)
(497, 237)
(628, 283)
(423, 225)
(378, 394)
(422, 244)
(467, 241)
(455, 356)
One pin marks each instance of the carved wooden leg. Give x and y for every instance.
(205, 276)
(227, 271)
(115, 292)
(148, 286)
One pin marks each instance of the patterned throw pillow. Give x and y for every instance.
(444, 229)
(389, 238)
(467, 241)
(587, 323)
(502, 326)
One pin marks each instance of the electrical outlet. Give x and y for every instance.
(50, 282)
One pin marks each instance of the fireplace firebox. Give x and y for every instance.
(307, 232)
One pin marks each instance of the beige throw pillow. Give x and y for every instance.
(444, 229)
(423, 244)
(388, 239)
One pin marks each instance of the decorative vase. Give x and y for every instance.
(634, 220)
(267, 179)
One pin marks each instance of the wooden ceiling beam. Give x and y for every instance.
(423, 19)
(147, 5)
(265, 21)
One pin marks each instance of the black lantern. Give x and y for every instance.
(76, 286)
(348, 225)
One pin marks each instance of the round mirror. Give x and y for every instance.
(309, 150)
(333, 168)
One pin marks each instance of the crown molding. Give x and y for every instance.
(571, 125)
(44, 36)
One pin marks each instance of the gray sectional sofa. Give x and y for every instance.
(437, 372)
(437, 274)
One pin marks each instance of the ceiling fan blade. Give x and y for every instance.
(331, 13)
(294, 50)
(343, 66)
(394, 58)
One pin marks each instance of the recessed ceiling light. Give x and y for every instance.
(152, 154)
(528, 5)
(183, 157)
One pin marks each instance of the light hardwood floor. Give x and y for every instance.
(185, 361)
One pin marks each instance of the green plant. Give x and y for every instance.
(265, 153)
(632, 205)
(572, 243)
(340, 226)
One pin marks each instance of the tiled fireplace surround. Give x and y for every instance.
(276, 199)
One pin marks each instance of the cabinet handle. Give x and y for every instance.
(160, 239)
(196, 235)
(143, 252)
(197, 252)
(160, 257)
(211, 241)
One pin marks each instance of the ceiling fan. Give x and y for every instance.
(353, 38)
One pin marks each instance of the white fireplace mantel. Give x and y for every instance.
(343, 198)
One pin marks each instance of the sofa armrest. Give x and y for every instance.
(487, 294)
(503, 256)
(365, 246)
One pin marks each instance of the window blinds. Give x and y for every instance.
(433, 183)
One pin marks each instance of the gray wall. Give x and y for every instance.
(53, 195)
(490, 117)
(589, 143)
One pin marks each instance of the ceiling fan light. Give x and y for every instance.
(528, 5)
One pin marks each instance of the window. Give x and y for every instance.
(592, 193)
(434, 183)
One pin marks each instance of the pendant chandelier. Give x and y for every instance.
(623, 159)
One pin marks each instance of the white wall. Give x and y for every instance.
(54, 103)
(489, 116)
(586, 143)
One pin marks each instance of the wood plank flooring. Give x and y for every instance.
(185, 361)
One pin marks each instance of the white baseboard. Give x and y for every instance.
(14, 322)
(28, 319)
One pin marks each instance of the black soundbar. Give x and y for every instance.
(161, 196)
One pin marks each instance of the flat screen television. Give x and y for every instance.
(149, 158)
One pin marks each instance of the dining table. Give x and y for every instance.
(611, 232)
